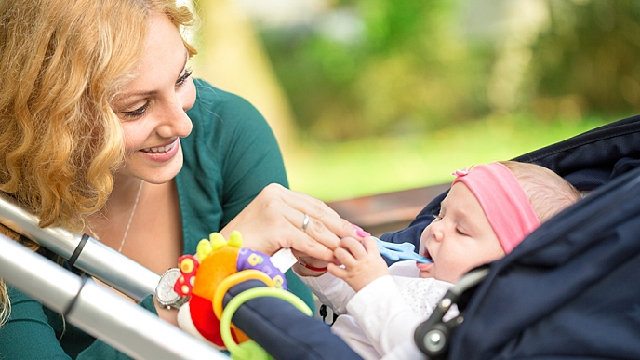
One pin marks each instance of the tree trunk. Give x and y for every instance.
(231, 57)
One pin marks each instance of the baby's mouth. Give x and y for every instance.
(425, 267)
(426, 254)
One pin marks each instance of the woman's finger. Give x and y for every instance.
(307, 235)
(319, 232)
(297, 209)
(314, 239)
(301, 242)
(320, 212)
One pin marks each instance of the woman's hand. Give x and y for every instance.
(274, 220)
(362, 264)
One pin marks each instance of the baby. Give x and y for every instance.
(489, 210)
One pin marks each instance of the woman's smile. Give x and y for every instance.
(162, 153)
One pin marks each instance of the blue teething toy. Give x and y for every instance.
(402, 251)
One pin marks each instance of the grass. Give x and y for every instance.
(334, 171)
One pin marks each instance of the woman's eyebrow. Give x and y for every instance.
(142, 94)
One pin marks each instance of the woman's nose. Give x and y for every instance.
(176, 121)
(176, 124)
(183, 125)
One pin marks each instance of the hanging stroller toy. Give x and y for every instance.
(205, 278)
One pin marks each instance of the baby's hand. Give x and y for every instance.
(362, 264)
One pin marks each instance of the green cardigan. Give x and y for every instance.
(230, 156)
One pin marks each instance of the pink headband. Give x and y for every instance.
(505, 203)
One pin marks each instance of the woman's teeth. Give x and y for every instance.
(161, 149)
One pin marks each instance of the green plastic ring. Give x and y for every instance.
(234, 304)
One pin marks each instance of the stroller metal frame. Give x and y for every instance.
(90, 306)
(83, 251)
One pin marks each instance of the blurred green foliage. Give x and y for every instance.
(405, 67)
(588, 55)
(410, 66)
(341, 170)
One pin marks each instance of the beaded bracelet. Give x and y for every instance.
(320, 270)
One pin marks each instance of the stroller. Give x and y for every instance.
(569, 290)
(565, 292)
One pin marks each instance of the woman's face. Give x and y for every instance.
(152, 106)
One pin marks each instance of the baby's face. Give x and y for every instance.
(459, 238)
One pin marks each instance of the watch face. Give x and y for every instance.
(164, 292)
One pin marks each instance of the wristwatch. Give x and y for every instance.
(165, 294)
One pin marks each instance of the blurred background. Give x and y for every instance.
(376, 96)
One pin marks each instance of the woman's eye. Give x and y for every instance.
(137, 112)
(183, 78)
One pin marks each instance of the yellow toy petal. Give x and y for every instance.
(235, 239)
(217, 241)
(203, 249)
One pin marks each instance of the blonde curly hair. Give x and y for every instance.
(62, 64)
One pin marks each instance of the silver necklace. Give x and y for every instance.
(126, 230)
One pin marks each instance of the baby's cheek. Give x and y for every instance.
(423, 238)
(460, 268)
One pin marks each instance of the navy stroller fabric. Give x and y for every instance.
(595, 157)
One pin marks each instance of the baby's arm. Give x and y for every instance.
(362, 264)
(391, 308)
(330, 290)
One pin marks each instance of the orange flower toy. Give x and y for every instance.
(205, 278)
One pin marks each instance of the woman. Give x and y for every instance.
(103, 130)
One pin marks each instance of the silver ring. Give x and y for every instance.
(305, 222)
